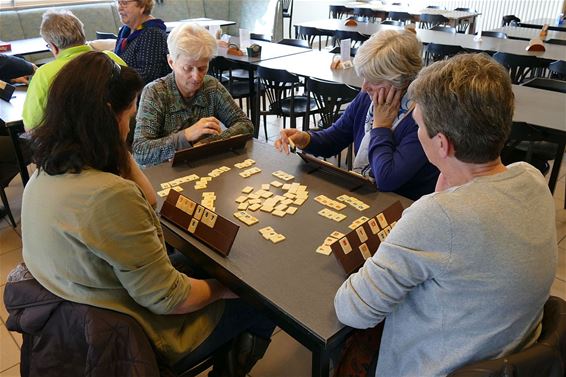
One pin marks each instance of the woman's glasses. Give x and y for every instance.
(123, 3)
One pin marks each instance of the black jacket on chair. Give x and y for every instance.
(63, 338)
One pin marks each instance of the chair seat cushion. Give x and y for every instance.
(299, 105)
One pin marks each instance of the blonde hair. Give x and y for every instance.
(191, 40)
(62, 28)
(147, 5)
(469, 99)
(390, 56)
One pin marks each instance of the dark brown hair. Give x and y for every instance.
(80, 129)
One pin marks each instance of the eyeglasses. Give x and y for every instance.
(123, 3)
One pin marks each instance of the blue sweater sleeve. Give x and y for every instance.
(334, 139)
(394, 164)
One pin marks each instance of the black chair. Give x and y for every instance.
(435, 52)
(294, 42)
(260, 37)
(311, 33)
(238, 87)
(330, 97)
(463, 24)
(435, 7)
(557, 70)
(287, 6)
(280, 86)
(522, 67)
(553, 41)
(365, 14)
(547, 357)
(336, 50)
(546, 84)
(444, 29)
(356, 38)
(392, 22)
(510, 20)
(337, 11)
(404, 17)
(7, 172)
(494, 34)
(105, 35)
(428, 21)
(530, 144)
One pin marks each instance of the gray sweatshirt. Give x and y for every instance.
(462, 277)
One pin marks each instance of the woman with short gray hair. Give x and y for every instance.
(379, 121)
(187, 106)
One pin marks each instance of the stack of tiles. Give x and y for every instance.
(271, 235)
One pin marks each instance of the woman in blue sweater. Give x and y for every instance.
(379, 121)
(142, 41)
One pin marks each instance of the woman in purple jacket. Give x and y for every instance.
(379, 121)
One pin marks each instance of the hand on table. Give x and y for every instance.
(204, 127)
(299, 138)
(386, 104)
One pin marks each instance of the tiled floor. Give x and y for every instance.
(285, 357)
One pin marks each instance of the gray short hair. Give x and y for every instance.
(62, 28)
(391, 56)
(191, 40)
(469, 99)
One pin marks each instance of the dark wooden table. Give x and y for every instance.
(11, 118)
(293, 284)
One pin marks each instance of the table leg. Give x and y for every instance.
(556, 166)
(320, 363)
(19, 156)
(472, 27)
(254, 100)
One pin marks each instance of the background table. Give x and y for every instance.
(540, 22)
(205, 22)
(293, 283)
(28, 46)
(525, 33)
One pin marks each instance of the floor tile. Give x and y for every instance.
(10, 354)
(285, 357)
(8, 261)
(561, 264)
(3, 312)
(558, 289)
(17, 338)
(12, 372)
(9, 240)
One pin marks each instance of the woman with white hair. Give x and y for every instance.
(187, 106)
(379, 121)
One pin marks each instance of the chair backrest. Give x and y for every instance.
(337, 11)
(494, 34)
(522, 67)
(435, 7)
(308, 34)
(400, 16)
(510, 20)
(260, 37)
(287, 6)
(356, 38)
(365, 13)
(428, 21)
(553, 41)
(471, 10)
(546, 84)
(105, 35)
(294, 42)
(276, 83)
(392, 22)
(329, 97)
(547, 357)
(435, 52)
(445, 29)
(558, 70)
